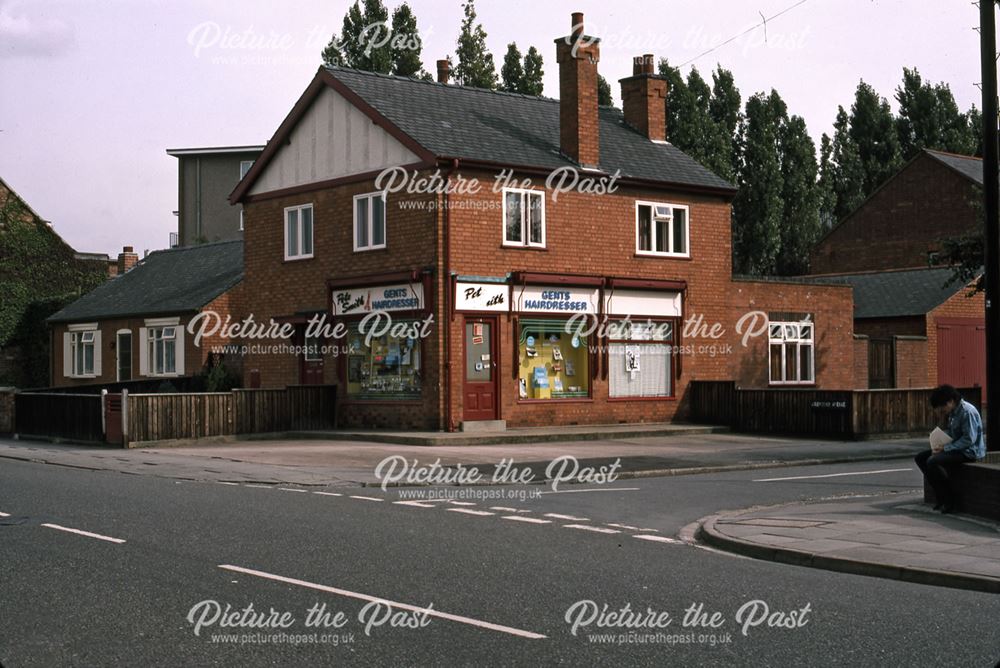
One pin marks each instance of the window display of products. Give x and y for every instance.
(554, 364)
(388, 369)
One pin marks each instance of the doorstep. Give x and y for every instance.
(510, 436)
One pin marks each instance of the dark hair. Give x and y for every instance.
(942, 394)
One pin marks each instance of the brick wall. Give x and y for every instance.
(861, 362)
(960, 305)
(901, 222)
(911, 362)
(887, 328)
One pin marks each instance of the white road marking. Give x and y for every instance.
(257, 486)
(586, 527)
(289, 489)
(832, 475)
(468, 511)
(571, 518)
(462, 503)
(430, 612)
(660, 539)
(504, 509)
(221, 482)
(521, 518)
(601, 489)
(84, 533)
(327, 493)
(415, 504)
(623, 526)
(4, 515)
(367, 498)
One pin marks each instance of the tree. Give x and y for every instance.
(873, 131)
(929, 118)
(725, 112)
(604, 92)
(364, 42)
(845, 175)
(406, 44)
(531, 84)
(827, 176)
(512, 72)
(800, 218)
(758, 209)
(475, 63)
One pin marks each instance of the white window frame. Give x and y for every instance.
(249, 166)
(118, 368)
(791, 332)
(159, 335)
(79, 341)
(299, 234)
(241, 220)
(669, 252)
(370, 223)
(526, 194)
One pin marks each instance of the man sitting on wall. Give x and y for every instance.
(961, 422)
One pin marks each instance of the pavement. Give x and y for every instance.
(897, 538)
(333, 462)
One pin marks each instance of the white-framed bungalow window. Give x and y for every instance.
(523, 217)
(245, 166)
(662, 229)
(161, 348)
(299, 232)
(791, 353)
(369, 221)
(82, 351)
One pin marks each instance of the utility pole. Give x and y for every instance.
(991, 201)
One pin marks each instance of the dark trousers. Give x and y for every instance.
(935, 468)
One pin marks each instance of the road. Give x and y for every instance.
(473, 580)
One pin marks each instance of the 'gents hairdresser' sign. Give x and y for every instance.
(556, 299)
(401, 297)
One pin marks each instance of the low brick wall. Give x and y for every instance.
(977, 486)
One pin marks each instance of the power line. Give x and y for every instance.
(748, 30)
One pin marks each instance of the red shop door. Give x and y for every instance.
(479, 391)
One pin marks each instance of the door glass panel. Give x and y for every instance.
(478, 363)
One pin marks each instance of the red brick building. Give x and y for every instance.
(520, 295)
(913, 325)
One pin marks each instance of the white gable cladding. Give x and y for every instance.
(333, 139)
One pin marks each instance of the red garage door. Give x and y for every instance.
(962, 352)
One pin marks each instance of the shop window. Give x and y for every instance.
(523, 218)
(83, 353)
(792, 353)
(554, 364)
(662, 229)
(369, 221)
(389, 368)
(299, 232)
(640, 358)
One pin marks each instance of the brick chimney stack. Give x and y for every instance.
(578, 55)
(444, 71)
(127, 259)
(644, 97)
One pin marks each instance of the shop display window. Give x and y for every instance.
(390, 368)
(553, 364)
(640, 359)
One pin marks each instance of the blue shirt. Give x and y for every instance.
(965, 427)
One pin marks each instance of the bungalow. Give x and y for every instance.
(133, 326)
(543, 262)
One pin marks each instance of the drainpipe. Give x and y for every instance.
(197, 198)
(447, 283)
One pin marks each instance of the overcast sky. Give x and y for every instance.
(92, 93)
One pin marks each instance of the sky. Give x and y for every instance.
(92, 93)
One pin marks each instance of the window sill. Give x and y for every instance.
(662, 256)
(370, 248)
(523, 247)
(626, 399)
(298, 258)
(84, 377)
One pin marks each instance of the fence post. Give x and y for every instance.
(104, 414)
(125, 433)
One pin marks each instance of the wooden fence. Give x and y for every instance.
(852, 414)
(73, 417)
(159, 417)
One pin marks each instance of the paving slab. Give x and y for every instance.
(894, 537)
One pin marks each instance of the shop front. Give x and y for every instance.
(555, 349)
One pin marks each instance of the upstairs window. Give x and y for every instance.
(523, 218)
(369, 221)
(299, 232)
(662, 229)
(791, 349)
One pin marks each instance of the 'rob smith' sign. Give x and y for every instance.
(402, 297)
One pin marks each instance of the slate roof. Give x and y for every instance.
(968, 166)
(452, 121)
(179, 280)
(893, 294)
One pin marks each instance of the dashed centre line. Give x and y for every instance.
(290, 489)
(367, 498)
(571, 518)
(659, 539)
(469, 511)
(4, 515)
(587, 527)
(328, 493)
(522, 518)
(84, 533)
(415, 504)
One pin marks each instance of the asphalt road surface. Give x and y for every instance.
(102, 568)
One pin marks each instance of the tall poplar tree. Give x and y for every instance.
(531, 84)
(512, 72)
(406, 43)
(475, 63)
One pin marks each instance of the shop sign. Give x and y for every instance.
(642, 303)
(400, 297)
(556, 299)
(482, 297)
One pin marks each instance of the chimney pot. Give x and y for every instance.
(576, 30)
(644, 99)
(642, 64)
(127, 259)
(444, 71)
